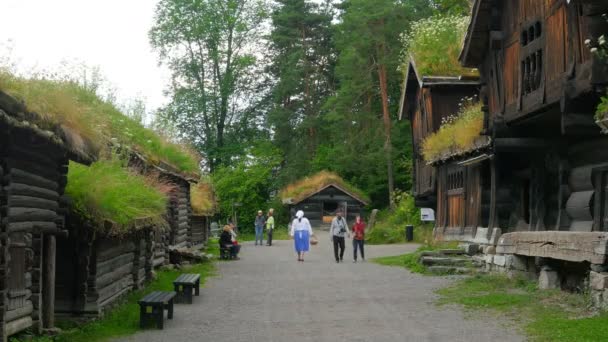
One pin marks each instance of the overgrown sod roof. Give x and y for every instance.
(435, 43)
(457, 134)
(95, 122)
(202, 198)
(107, 191)
(308, 186)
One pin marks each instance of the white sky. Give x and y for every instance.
(110, 34)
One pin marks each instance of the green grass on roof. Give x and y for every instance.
(202, 198)
(97, 121)
(310, 185)
(107, 190)
(456, 134)
(435, 43)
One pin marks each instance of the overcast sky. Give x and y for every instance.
(110, 34)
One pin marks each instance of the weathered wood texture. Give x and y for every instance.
(199, 226)
(179, 211)
(570, 246)
(32, 180)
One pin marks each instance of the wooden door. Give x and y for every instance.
(455, 197)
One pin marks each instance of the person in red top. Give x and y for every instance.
(358, 237)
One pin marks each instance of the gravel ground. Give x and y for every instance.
(269, 296)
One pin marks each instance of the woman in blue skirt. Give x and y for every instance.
(301, 231)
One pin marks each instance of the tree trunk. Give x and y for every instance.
(388, 147)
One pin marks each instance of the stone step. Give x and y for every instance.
(449, 270)
(444, 261)
(443, 253)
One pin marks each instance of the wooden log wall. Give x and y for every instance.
(111, 275)
(198, 229)
(33, 176)
(179, 211)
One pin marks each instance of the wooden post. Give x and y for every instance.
(493, 193)
(48, 282)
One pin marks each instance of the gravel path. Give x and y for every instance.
(269, 296)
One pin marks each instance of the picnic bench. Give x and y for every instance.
(225, 252)
(152, 306)
(183, 286)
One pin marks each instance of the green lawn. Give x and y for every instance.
(543, 315)
(280, 233)
(124, 319)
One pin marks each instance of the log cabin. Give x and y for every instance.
(204, 206)
(427, 100)
(544, 159)
(33, 175)
(321, 195)
(99, 266)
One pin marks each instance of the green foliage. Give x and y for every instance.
(107, 190)
(124, 319)
(211, 48)
(248, 182)
(457, 133)
(602, 108)
(390, 227)
(435, 43)
(452, 7)
(96, 121)
(546, 315)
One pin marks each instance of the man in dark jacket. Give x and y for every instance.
(260, 222)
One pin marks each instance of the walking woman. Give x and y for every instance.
(337, 232)
(260, 222)
(301, 231)
(358, 238)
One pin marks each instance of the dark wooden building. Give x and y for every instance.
(426, 101)
(541, 90)
(321, 206)
(204, 206)
(33, 175)
(98, 267)
(541, 175)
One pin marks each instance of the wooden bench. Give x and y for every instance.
(157, 301)
(184, 284)
(225, 253)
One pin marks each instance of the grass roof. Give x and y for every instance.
(108, 191)
(457, 134)
(308, 186)
(97, 122)
(202, 198)
(435, 43)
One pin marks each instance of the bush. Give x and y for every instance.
(602, 108)
(390, 227)
(435, 45)
(457, 133)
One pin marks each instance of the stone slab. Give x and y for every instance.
(570, 246)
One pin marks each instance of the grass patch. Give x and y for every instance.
(456, 134)
(280, 233)
(124, 319)
(97, 121)
(106, 190)
(410, 260)
(435, 45)
(544, 315)
(202, 198)
(309, 185)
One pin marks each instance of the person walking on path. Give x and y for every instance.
(358, 238)
(301, 231)
(270, 226)
(260, 222)
(337, 232)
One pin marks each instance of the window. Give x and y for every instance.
(532, 58)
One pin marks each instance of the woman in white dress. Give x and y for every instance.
(301, 231)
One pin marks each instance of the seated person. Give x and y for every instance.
(228, 241)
